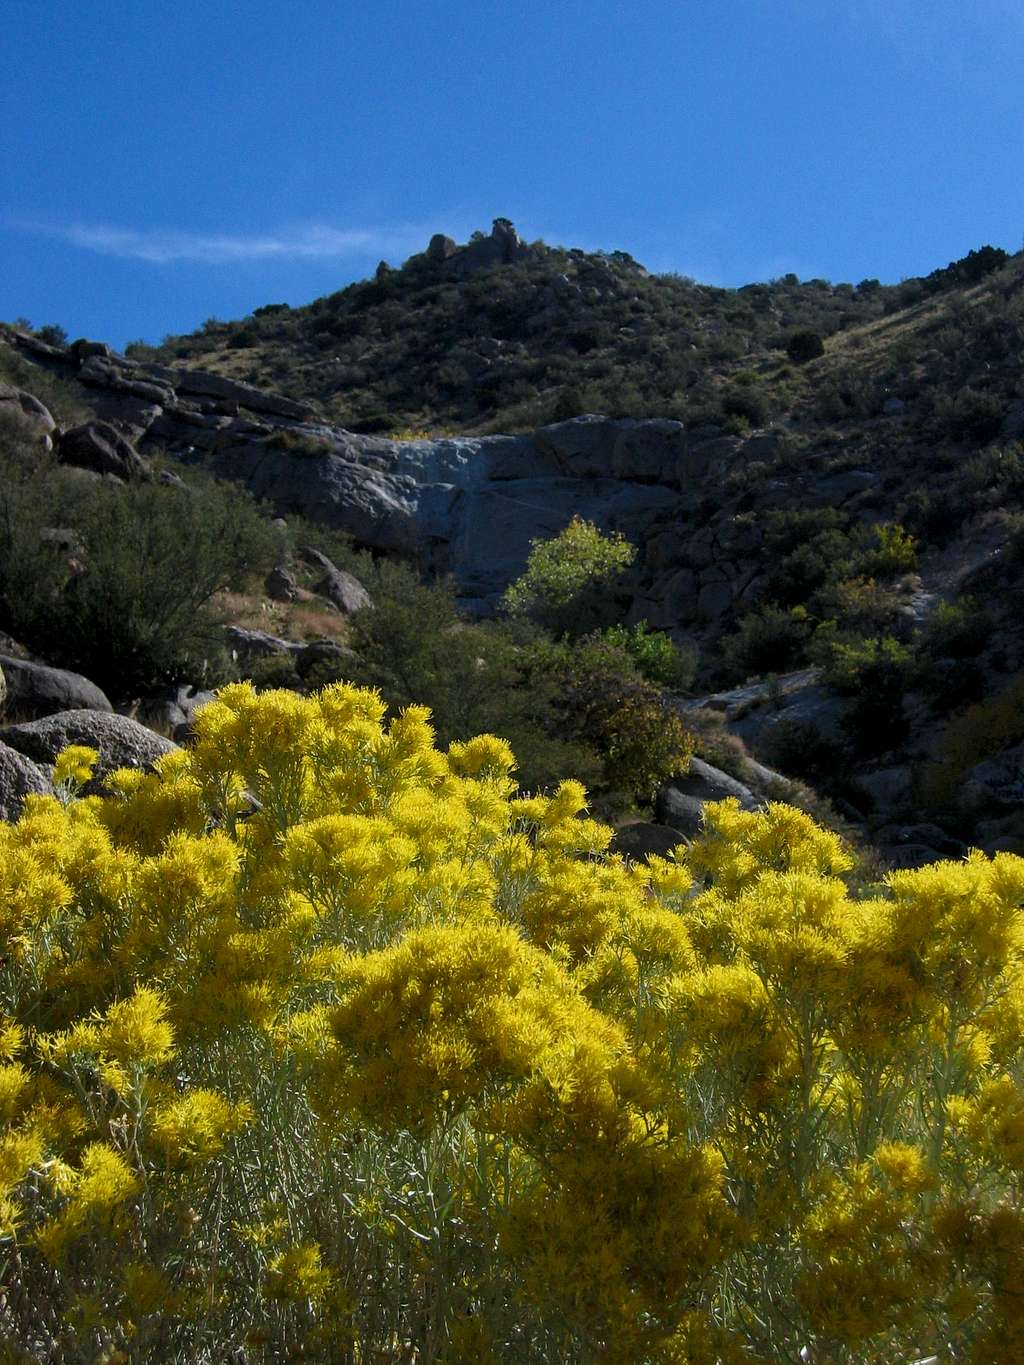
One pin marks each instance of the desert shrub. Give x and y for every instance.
(949, 684)
(994, 476)
(568, 584)
(656, 655)
(888, 552)
(63, 396)
(415, 648)
(133, 612)
(983, 731)
(803, 346)
(715, 743)
(769, 640)
(747, 401)
(800, 749)
(973, 416)
(302, 443)
(625, 718)
(322, 1040)
(859, 605)
(874, 672)
(956, 630)
(933, 516)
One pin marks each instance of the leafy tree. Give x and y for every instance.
(569, 580)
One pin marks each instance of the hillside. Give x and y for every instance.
(824, 486)
(503, 336)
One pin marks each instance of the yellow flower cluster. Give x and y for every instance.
(322, 1040)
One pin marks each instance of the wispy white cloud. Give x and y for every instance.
(162, 246)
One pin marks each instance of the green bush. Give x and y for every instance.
(874, 672)
(639, 734)
(956, 630)
(655, 655)
(804, 346)
(133, 612)
(769, 640)
(569, 581)
(889, 552)
(799, 749)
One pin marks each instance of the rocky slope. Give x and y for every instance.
(909, 424)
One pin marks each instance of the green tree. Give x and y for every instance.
(569, 581)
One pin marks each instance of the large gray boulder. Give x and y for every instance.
(246, 645)
(171, 711)
(27, 410)
(344, 591)
(325, 654)
(99, 446)
(19, 777)
(340, 587)
(120, 741)
(281, 585)
(681, 802)
(35, 690)
(643, 838)
(1002, 778)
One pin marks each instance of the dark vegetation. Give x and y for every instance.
(565, 331)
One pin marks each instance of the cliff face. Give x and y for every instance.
(471, 506)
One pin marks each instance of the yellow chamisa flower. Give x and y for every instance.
(12, 1039)
(19, 1153)
(296, 1274)
(135, 1031)
(484, 756)
(192, 1128)
(74, 765)
(993, 1122)
(905, 1167)
(737, 846)
(14, 1081)
(147, 1290)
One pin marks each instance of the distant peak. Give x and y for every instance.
(503, 246)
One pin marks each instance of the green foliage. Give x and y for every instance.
(628, 720)
(874, 672)
(983, 731)
(770, 639)
(406, 347)
(800, 749)
(972, 416)
(890, 551)
(133, 611)
(568, 582)
(298, 443)
(415, 648)
(956, 630)
(656, 656)
(804, 346)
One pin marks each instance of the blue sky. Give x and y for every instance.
(162, 164)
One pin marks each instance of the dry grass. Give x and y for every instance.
(307, 618)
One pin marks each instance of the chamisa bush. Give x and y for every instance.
(318, 1042)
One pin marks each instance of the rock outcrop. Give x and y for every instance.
(35, 690)
(19, 777)
(467, 506)
(120, 741)
(27, 411)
